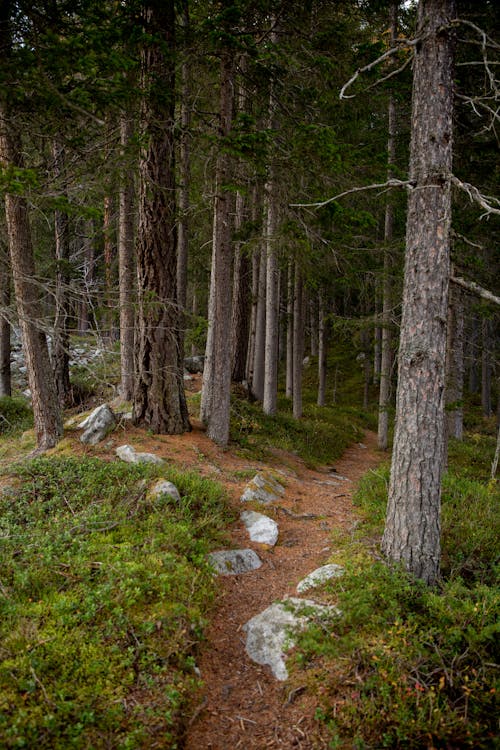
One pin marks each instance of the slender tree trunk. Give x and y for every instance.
(109, 256)
(194, 313)
(298, 343)
(260, 332)
(46, 411)
(455, 365)
(473, 355)
(384, 398)
(412, 532)
(159, 402)
(313, 327)
(126, 265)
(5, 347)
(289, 332)
(88, 276)
(253, 318)
(486, 368)
(322, 351)
(270, 393)
(240, 326)
(218, 404)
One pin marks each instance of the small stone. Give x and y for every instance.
(263, 488)
(319, 576)
(130, 455)
(234, 561)
(261, 528)
(164, 487)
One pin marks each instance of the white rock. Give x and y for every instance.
(270, 633)
(263, 488)
(319, 576)
(261, 528)
(97, 425)
(231, 562)
(164, 487)
(130, 455)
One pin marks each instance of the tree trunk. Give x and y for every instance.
(241, 300)
(159, 400)
(486, 368)
(126, 266)
(218, 403)
(455, 365)
(473, 355)
(184, 182)
(260, 331)
(289, 332)
(412, 532)
(253, 317)
(88, 277)
(313, 327)
(298, 342)
(5, 348)
(46, 412)
(322, 351)
(60, 343)
(270, 391)
(384, 397)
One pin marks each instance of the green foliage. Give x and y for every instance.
(15, 415)
(104, 595)
(409, 666)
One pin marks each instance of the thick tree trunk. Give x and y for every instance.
(5, 348)
(455, 366)
(298, 342)
(184, 182)
(126, 265)
(159, 401)
(322, 351)
(46, 412)
(217, 404)
(412, 532)
(60, 343)
(289, 332)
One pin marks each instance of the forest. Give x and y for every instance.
(261, 232)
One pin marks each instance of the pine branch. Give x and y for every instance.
(485, 201)
(471, 286)
(388, 184)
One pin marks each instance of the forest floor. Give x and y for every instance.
(241, 704)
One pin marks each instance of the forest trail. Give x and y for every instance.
(241, 704)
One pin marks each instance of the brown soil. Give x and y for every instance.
(241, 704)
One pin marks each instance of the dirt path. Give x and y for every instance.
(242, 705)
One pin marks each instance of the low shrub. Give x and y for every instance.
(103, 599)
(15, 415)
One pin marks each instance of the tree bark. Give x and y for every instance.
(184, 182)
(60, 343)
(5, 347)
(270, 391)
(455, 366)
(46, 412)
(412, 531)
(126, 265)
(218, 403)
(253, 317)
(289, 332)
(298, 342)
(240, 324)
(384, 398)
(322, 351)
(260, 331)
(159, 401)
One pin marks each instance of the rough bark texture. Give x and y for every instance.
(5, 371)
(289, 333)
(386, 340)
(240, 324)
(253, 317)
(159, 400)
(184, 180)
(60, 343)
(298, 342)
(46, 412)
(455, 366)
(217, 405)
(260, 332)
(270, 394)
(126, 266)
(322, 351)
(412, 532)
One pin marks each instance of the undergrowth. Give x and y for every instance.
(103, 598)
(408, 666)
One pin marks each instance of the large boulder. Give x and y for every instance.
(260, 528)
(319, 576)
(263, 488)
(97, 425)
(270, 633)
(130, 455)
(232, 562)
(164, 488)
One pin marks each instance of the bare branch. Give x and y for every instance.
(401, 43)
(471, 286)
(388, 184)
(485, 201)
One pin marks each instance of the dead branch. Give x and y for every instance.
(485, 201)
(388, 184)
(401, 43)
(471, 286)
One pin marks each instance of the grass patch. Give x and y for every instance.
(103, 599)
(408, 666)
(16, 416)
